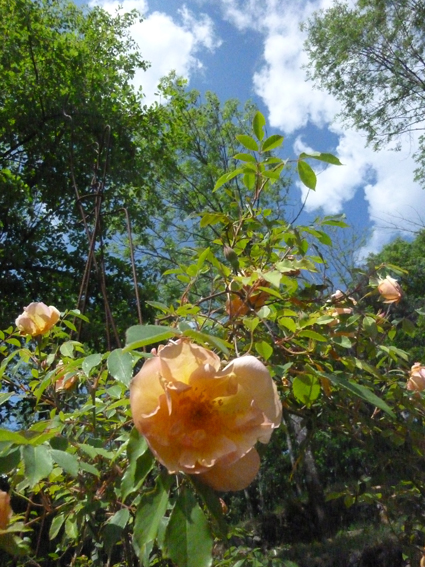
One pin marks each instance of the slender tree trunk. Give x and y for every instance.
(302, 458)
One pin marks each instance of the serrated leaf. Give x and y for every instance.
(56, 525)
(212, 502)
(208, 219)
(120, 366)
(289, 323)
(9, 461)
(141, 335)
(66, 461)
(313, 335)
(264, 349)
(152, 508)
(307, 175)
(112, 531)
(38, 463)
(273, 277)
(225, 178)
(245, 157)
(248, 142)
(188, 541)
(140, 463)
(258, 124)
(327, 158)
(306, 388)
(209, 340)
(361, 392)
(272, 142)
(91, 362)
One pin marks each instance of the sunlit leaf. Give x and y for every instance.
(258, 124)
(120, 366)
(306, 388)
(272, 143)
(248, 142)
(141, 335)
(188, 541)
(307, 175)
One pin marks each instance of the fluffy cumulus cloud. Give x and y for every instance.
(168, 44)
(386, 177)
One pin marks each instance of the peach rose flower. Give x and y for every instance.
(5, 509)
(37, 319)
(201, 420)
(390, 290)
(416, 379)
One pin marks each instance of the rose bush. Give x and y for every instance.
(37, 319)
(390, 290)
(201, 420)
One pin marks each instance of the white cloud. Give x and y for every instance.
(385, 177)
(169, 45)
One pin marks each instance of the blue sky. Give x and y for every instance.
(252, 49)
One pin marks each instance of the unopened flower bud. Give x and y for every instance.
(416, 380)
(390, 290)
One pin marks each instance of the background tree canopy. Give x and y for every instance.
(370, 56)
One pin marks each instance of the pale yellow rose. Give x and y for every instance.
(37, 319)
(5, 509)
(201, 420)
(390, 290)
(416, 379)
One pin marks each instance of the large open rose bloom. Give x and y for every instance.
(5, 509)
(201, 420)
(37, 319)
(390, 290)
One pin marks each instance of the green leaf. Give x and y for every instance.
(140, 463)
(307, 175)
(327, 158)
(188, 541)
(120, 366)
(306, 388)
(245, 157)
(272, 142)
(226, 177)
(149, 513)
(9, 461)
(208, 340)
(141, 335)
(247, 142)
(38, 463)
(273, 277)
(313, 335)
(264, 349)
(212, 502)
(91, 362)
(360, 391)
(213, 218)
(66, 461)
(67, 349)
(289, 323)
(112, 531)
(258, 124)
(56, 525)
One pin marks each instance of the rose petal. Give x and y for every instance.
(181, 359)
(236, 476)
(254, 377)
